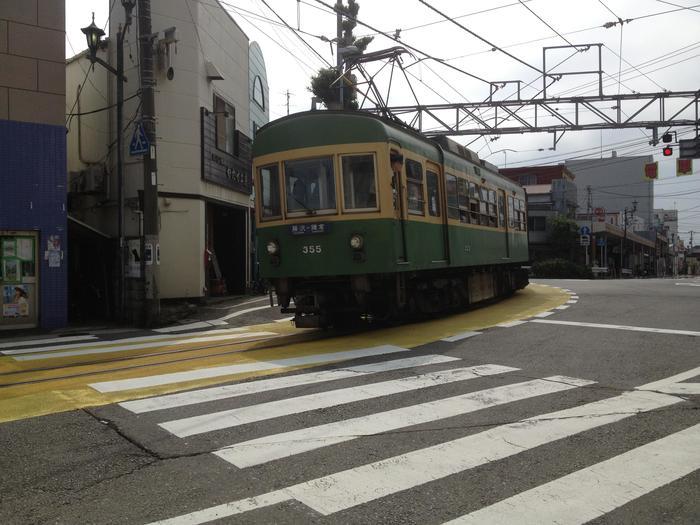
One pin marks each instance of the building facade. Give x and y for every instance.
(33, 239)
(551, 192)
(204, 124)
(615, 183)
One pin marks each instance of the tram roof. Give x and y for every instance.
(325, 128)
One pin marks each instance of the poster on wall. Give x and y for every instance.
(15, 299)
(11, 270)
(25, 248)
(9, 248)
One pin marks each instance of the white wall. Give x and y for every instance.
(615, 182)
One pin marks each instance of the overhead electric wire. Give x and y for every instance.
(547, 24)
(309, 67)
(479, 37)
(404, 30)
(104, 108)
(296, 33)
(408, 46)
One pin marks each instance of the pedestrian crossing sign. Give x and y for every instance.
(139, 141)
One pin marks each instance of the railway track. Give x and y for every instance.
(24, 376)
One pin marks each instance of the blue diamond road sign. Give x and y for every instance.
(585, 230)
(139, 142)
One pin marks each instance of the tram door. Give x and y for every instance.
(398, 190)
(434, 181)
(503, 219)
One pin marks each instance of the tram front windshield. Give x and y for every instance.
(310, 185)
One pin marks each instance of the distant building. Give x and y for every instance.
(616, 183)
(617, 203)
(33, 232)
(211, 96)
(551, 192)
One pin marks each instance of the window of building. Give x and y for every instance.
(359, 182)
(431, 180)
(270, 191)
(258, 92)
(527, 180)
(452, 199)
(414, 177)
(225, 125)
(310, 185)
(536, 224)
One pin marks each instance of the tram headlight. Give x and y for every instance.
(273, 248)
(357, 242)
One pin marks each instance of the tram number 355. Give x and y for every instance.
(311, 249)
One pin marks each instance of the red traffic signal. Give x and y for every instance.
(668, 151)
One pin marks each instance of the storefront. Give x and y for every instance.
(19, 278)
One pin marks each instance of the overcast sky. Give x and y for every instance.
(659, 52)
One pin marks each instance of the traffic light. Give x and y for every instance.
(666, 138)
(668, 151)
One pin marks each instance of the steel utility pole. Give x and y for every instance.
(338, 56)
(150, 247)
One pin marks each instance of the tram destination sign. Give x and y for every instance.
(309, 229)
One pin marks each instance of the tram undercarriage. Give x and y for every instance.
(338, 301)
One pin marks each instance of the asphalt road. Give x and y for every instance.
(393, 442)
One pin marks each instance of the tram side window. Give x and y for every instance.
(483, 206)
(523, 216)
(474, 203)
(359, 182)
(501, 211)
(310, 185)
(493, 212)
(463, 200)
(511, 213)
(431, 182)
(270, 191)
(452, 200)
(414, 176)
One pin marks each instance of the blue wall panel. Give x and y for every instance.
(33, 197)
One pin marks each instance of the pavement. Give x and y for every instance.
(572, 402)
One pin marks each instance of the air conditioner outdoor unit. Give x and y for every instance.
(88, 181)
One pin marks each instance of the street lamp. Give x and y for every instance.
(93, 35)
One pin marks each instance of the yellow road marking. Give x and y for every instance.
(36, 399)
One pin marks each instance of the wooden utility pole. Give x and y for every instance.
(150, 247)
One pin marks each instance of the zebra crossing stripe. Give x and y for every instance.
(250, 414)
(140, 406)
(620, 327)
(269, 448)
(168, 339)
(594, 491)
(39, 342)
(120, 348)
(255, 366)
(460, 336)
(352, 487)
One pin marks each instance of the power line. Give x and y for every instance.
(104, 108)
(479, 37)
(545, 23)
(297, 34)
(404, 30)
(412, 48)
